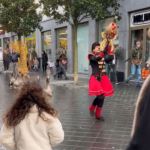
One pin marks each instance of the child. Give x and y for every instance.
(31, 123)
(146, 71)
(35, 64)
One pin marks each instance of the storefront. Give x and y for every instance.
(61, 41)
(140, 30)
(47, 43)
(6, 42)
(31, 42)
(83, 48)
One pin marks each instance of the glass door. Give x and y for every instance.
(83, 47)
(147, 52)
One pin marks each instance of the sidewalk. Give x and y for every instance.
(82, 131)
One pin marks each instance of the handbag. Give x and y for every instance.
(108, 58)
(14, 57)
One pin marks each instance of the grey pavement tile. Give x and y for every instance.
(82, 131)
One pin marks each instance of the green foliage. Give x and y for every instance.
(74, 11)
(19, 16)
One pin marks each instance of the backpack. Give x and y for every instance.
(14, 57)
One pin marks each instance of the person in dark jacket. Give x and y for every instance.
(44, 61)
(61, 67)
(140, 136)
(6, 59)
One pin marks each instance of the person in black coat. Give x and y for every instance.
(140, 136)
(44, 61)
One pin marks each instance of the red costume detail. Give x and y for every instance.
(100, 87)
(98, 113)
(92, 108)
(99, 83)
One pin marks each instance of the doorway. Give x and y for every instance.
(142, 34)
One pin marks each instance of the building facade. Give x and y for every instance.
(55, 38)
(135, 25)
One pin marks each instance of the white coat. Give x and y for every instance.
(33, 133)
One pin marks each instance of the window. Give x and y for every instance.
(47, 42)
(31, 42)
(147, 17)
(61, 41)
(140, 18)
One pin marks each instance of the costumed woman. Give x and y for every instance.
(99, 83)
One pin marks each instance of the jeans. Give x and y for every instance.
(135, 71)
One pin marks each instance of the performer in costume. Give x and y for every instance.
(99, 83)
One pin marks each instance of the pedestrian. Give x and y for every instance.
(61, 67)
(35, 64)
(6, 59)
(31, 123)
(136, 61)
(99, 83)
(44, 61)
(15, 58)
(141, 125)
(145, 71)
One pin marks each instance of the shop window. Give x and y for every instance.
(61, 42)
(47, 42)
(147, 53)
(31, 42)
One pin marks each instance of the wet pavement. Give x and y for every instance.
(82, 131)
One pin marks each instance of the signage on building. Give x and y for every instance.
(140, 18)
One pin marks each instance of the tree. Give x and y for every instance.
(20, 17)
(75, 11)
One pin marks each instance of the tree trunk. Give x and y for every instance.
(75, 52)
(19, 42)
(22, 65)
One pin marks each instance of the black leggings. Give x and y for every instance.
(99, 100)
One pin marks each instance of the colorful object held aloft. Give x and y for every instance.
(108, 36)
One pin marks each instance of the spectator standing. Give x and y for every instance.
(44, 61)
(136, 61)
(6, 59)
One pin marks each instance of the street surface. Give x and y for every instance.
(82, 131)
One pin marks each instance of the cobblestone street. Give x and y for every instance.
(82, 131)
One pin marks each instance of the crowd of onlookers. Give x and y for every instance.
(35, 63)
